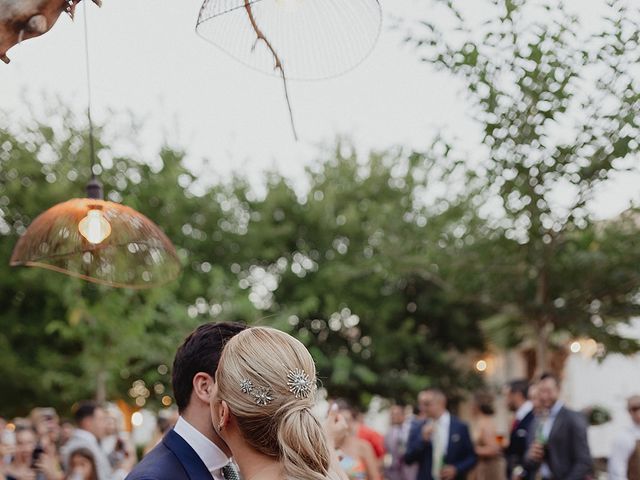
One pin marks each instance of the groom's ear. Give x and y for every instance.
(203, 386)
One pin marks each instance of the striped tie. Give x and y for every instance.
(229, 472)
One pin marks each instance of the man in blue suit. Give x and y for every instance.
(192, 450)
(517, 395)
(441, 444)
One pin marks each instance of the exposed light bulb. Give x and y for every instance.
(94, 227)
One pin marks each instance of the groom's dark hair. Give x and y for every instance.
(200, 352)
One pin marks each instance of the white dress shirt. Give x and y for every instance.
(440, 443)
(210, 454)
(623, 447)
(546, 431)
(444, 423)
(524, 410)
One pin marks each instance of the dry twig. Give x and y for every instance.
(276, 57)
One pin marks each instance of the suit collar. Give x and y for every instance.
(528, 418)
(212, 456)
(525, 409)
(555, 410)
(191, 462)
(558, 415)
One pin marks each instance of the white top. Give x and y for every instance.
(623, 447)
(524, 410)
(210, 454)
(85, 439)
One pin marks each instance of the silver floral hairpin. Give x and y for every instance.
(299, 383)
(246, 386)
(261, 395)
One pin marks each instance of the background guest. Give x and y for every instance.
(21, 467)
(91, 428)
(491, 464)
(395, 443)
(624, 461)
(441, 445)
(517, 398)
(117, 445)
(7, 448)
(357, 457)
(82, 465)
(46, 423)
(560, 449)
(66, 431)
(368, 434)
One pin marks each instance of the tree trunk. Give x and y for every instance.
(101, 387)
(542, 347)
(545, 327)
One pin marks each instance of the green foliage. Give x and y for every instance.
(351, 268)
(389, 268)
(558, 108)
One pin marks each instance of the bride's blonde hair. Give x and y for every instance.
(268, 380)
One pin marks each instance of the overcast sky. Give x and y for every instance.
(146, 58)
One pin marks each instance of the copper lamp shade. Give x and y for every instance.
(311, 39)
(131, 253)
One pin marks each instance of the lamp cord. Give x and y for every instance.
(86, 54)
(94, 187)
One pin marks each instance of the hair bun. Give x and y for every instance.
(268, 379)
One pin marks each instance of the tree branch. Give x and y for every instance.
(276, 57)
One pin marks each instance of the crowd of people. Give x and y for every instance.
(241, 411)
(42, 446)
(546, 440)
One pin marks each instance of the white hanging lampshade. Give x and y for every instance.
(311, 39)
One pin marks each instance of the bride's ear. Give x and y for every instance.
(224, 414)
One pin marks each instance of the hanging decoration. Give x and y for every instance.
(24, 19)
(293, 39)
(97, 240)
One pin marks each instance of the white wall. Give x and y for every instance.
(608, 383)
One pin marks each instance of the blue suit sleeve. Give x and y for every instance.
(469, 459)
(416, 446)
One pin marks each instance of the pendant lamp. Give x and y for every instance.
(97, 240)
(293, 39)
(312, 39)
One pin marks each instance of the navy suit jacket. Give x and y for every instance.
(519, 443)
(172, 459)
(460, 451)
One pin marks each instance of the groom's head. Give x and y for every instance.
(196, 361)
